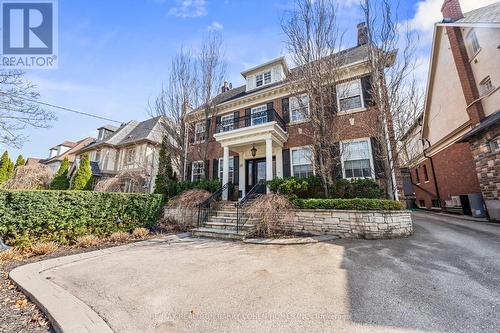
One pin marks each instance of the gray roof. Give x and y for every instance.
(350, 56)
(486, 14)
(486, 123)
(109, 127)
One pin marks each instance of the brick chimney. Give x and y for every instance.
(451, 11)
(362, 34)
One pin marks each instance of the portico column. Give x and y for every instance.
(242, 183)
(269, 161)
(225, 171)
(279, 162)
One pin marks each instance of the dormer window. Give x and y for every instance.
(263, 79)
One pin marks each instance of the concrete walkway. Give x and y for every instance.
(444, 278)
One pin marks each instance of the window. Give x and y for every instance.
(472, 44)
(199, 132)
(263, 79)
(227, 123)
(436, 203)
(426, 175)
(357, 159)
(299, 108)
(421, 203)
(485, 86)
(259, 115)
(349, 96)
(417, 175)
(231, 168)
(495, 144)
(130, 156)
(198, 172)
(302, 166)
(97, 157)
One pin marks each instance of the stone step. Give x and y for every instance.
(228, 225)
(218, 233)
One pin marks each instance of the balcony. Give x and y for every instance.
(251, 128)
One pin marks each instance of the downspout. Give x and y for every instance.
(186, 141)
(432, 168)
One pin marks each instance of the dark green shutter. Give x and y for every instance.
(286, 163)
(215, 168)
(285, 108)
(207, 169)
(248, 117)
(189, 171)
(378, 163)
(337, 166)
(236, 119)
(218, 127)
(366, 85)
(236, 162)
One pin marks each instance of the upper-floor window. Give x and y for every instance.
(299, 108)
(198, 172)
(200, 132)
(259, 115)
(349, 95)
(231, 168)
(97, 157)
(472, 43)
(357, 159)
(426, 175)
(417, 175)
(263, 79)
(495, 144)
(485, 86)
(302, 165)
(227, 123)
(130, 156)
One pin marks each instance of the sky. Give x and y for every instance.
(114, 56)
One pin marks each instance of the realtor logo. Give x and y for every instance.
(29, 34)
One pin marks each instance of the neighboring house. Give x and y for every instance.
(67, 149)
(460, 166)
(260, 130)
(133, 147)
(32, 161)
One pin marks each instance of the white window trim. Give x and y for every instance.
(127, 162)
(227, 116)
(192, 169)
(306, 116)
(482, 84)
(255, 108)
(372, 168)
(200, 123)
(362, 108)
(221, 166)
(468, 44)
(291, 158)
(263, 79)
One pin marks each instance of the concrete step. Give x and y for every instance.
(228, 226)
(218, 233)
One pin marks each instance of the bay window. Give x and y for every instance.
(349, 95)
(357, 159)
(302, 166)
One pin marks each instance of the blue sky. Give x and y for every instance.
(115, 55)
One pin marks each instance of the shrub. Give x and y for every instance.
(30, 177)
(139, 233)
(297, 187)
(43, 248)
(10, 254)
(27, 217)
(60, 181)
(271, 211)
(87, 241)
(189, 199)
(119, 236)
(348, 204)
(83, 175)
(175, 188)
(357, 188)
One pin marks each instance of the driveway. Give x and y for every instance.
(444, 278)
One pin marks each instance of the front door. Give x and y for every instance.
(255, 172)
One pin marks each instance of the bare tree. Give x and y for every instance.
(391, 50)
(314, 43)
(18, 108)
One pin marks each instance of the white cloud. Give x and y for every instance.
(189, 8)
(428, 12)
(215, 26)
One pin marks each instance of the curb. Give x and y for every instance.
(290, 241)
(66, 312)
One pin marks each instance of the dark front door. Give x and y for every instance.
(255, 172)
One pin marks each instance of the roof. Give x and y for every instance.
(491, 120)
(70, 154)
(69, 144)
(350, 56)
(109, 127)
(133, 131)
(32, 160)
(486, 14)
(280, 60)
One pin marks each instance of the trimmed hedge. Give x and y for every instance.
(176, 188)
(63, 216)
(348, 204)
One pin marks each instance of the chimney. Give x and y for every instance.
(226, 87)
(362, 34)
(451, 11)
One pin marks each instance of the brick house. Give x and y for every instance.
(459, 167)
(261, 130)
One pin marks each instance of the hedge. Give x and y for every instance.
(63, 216)
(348, 204)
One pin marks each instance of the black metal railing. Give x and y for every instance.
(206, 208)
(241, 206)
(249, 120)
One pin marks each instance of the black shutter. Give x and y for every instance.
(207, 169)
(335, 106)
(208, 129)
(218, 127)
(337, 158)
(378, 157)
(286, 163)
(236, 173)
(189, 171)
(270, 105)
(215, 169)
(248, 116)
(190, 129)
(285, 107)
(366, 85)
(236, 119)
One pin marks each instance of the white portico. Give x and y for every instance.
(260, 152)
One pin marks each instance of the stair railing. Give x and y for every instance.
(242, 205)
(206, 208)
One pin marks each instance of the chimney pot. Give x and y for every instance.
(226, 87)
(362, 34)
(451, 11)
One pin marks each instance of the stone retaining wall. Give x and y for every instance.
(351, 224)
(184, 217)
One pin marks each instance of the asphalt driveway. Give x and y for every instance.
(444, 278)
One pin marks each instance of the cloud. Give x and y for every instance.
(189, 8)
(215, 26)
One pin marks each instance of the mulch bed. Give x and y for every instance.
(17, 313)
